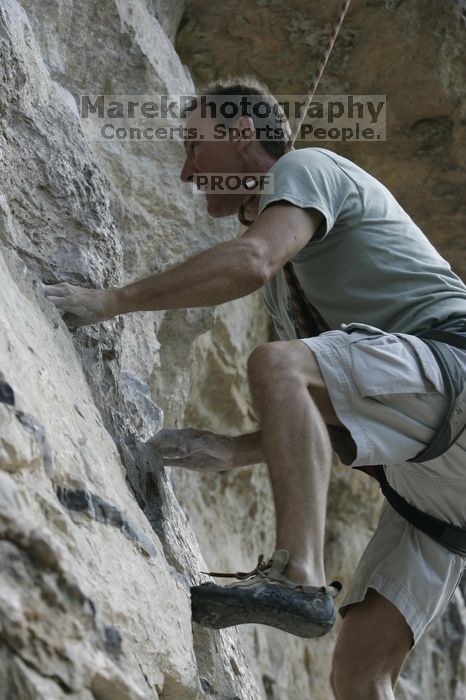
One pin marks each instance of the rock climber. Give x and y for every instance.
(367, 388)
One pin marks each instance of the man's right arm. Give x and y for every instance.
(222, 273)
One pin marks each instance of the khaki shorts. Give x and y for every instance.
(388, 391)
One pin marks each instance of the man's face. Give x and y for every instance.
(206, 155)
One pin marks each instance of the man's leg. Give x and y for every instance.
(372, 646)
(293, 407)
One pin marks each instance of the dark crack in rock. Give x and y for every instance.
(104, 512)
(37, 430)
(113, 640)
(7, 394)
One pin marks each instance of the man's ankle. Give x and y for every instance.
(305, 574)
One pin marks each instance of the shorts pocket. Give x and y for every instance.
(384, 364)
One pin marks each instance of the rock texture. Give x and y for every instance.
(99, 543)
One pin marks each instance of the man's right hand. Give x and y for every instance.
(84, 306)
(199, 450)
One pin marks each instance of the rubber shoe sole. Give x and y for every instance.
(302, 614)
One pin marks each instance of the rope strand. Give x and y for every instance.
(308, 321)
(309, 96)
(320, 69)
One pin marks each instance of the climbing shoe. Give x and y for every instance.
(264, 596)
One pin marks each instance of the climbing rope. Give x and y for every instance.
(309, 96)
(307, 319)
(320, 69)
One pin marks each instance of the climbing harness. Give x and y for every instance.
(452, 426)
(454, 421)
(308, 323)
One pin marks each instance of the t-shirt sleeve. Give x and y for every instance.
(310, 178)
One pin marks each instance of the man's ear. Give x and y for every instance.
(247, 132)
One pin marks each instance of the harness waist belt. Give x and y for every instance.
(453, 424)
(450, 536)
(454, 421)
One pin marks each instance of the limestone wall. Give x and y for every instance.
(97, 555)
(99, 543)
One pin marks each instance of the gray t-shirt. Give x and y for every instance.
(368, 261)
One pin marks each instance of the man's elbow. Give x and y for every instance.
(259, 268)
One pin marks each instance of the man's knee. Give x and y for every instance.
(294, 363)
(283, 359)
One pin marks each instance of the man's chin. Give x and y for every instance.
(217, 209)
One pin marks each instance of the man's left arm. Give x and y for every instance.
(227, 271)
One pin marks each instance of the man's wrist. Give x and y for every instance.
(117, 301)
(247, 449)
(113, 302)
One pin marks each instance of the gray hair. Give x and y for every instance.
(246, 97)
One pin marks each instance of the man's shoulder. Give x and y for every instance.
(307, 155)
(317, 159)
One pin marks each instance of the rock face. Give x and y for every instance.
(97, 554)
(99, 542)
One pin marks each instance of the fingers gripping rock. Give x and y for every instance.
(84, 305)
(190, 448)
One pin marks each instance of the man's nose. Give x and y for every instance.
(187, 171)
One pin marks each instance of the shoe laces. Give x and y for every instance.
(259, 570)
